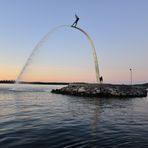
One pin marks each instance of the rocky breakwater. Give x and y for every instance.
(101, 90)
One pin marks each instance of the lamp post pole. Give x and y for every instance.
(131, 77)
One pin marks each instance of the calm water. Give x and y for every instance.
(32, 117)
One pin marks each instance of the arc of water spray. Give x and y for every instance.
(45, 38)
(94, 52)
(34, 51)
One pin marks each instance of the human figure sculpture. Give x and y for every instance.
(76, 21)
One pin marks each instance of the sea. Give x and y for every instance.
(32, 117)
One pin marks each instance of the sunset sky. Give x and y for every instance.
(118, 28)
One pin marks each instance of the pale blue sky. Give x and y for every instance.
(118, 29)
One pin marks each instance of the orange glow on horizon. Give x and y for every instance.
(9, 72)
(59, 76)
(70, 75)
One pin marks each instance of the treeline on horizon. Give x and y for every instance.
(7, 81)
(23, 82)
(55, 83)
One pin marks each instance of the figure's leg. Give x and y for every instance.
(73, 24)
(76, 22)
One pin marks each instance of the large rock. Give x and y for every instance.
(81, 90)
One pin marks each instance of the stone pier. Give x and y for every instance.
(101, 90)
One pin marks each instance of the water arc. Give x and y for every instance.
(34, 51)
(94, 53)
(45, 38)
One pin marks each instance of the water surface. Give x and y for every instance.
(32, 117)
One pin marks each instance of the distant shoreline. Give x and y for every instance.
(42, 83)
(59, 83)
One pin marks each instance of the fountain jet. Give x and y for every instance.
(43, 41)
(34, 51)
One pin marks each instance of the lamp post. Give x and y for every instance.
(131, 77)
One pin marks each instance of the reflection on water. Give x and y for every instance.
(33, 117)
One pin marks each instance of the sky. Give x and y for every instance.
(118, 29)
